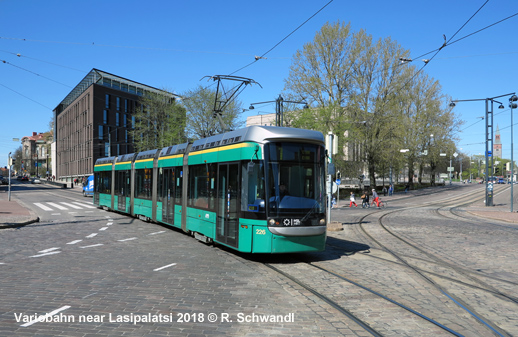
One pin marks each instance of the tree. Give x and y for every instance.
(159, 121)
(360, 91)
(201, 121)
(352, 81)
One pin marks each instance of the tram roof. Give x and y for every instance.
(259, 134)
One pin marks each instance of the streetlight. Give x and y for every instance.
(279, 108)
(489, 139)
(512, 105)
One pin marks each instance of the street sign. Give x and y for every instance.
(450, 169)
(338, 181)
(490, 186)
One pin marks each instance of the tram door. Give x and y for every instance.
(122, 189)
(167, 195)
(228, 204)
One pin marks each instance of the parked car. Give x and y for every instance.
(501, 181)
(36, 181)
(25, 178)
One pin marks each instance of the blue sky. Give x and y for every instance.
(174, 44)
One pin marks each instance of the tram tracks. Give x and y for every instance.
(459, 277)
(444, 283)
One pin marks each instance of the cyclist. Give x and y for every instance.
(375, 198)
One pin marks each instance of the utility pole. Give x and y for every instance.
(10, 162)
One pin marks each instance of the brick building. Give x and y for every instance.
(93, 122)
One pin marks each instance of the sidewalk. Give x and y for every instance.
(498, 212)
(14, 213)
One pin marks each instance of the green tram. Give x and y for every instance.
(258, 190)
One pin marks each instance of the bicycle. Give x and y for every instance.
(381, 204)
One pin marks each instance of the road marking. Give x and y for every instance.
(56, 214)
(169, 265)
(70, 205)
(73, 242)
(127, 239)
(103, 229)
(156, 233)
(89, 295)
(97, 245)
(89, 211)
(91, 235)
(43, 207)
(42, 317)
(44, 254)
(57, 206)
(84, 205)
(48, 250)
(109, 224)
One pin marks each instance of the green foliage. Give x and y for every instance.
(159, 122)
(201, 121)
(359, 90)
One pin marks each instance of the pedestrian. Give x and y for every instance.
(375, 198)
(365, 200)
(384, 190)
(353, 200)
(333, 202)
(391, 190)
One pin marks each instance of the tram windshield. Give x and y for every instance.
(296, 177)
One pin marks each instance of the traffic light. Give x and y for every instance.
(497, 171)
(338, 175)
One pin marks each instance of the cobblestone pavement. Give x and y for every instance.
(102, 273)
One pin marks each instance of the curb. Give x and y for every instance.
(21, 224)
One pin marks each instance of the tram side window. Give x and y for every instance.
(202, 186)
(143, 183)
(103, 182)
(253, 189)
(178, 187)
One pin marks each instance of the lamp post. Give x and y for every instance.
(279, 108)
(489, 138)
(512, 105)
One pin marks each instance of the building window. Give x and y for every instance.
(125, 105)
(107, 101)
(101, 132)
(132, 122)
(105, 116)
(124, 120)
(117, 119)
(118, 103)
(106, 149)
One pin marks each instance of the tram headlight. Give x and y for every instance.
(271, 222)
(322, 222)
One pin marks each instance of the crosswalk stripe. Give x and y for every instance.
(84, 205)
(70, 205)
(57, 206)
(43, 207)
